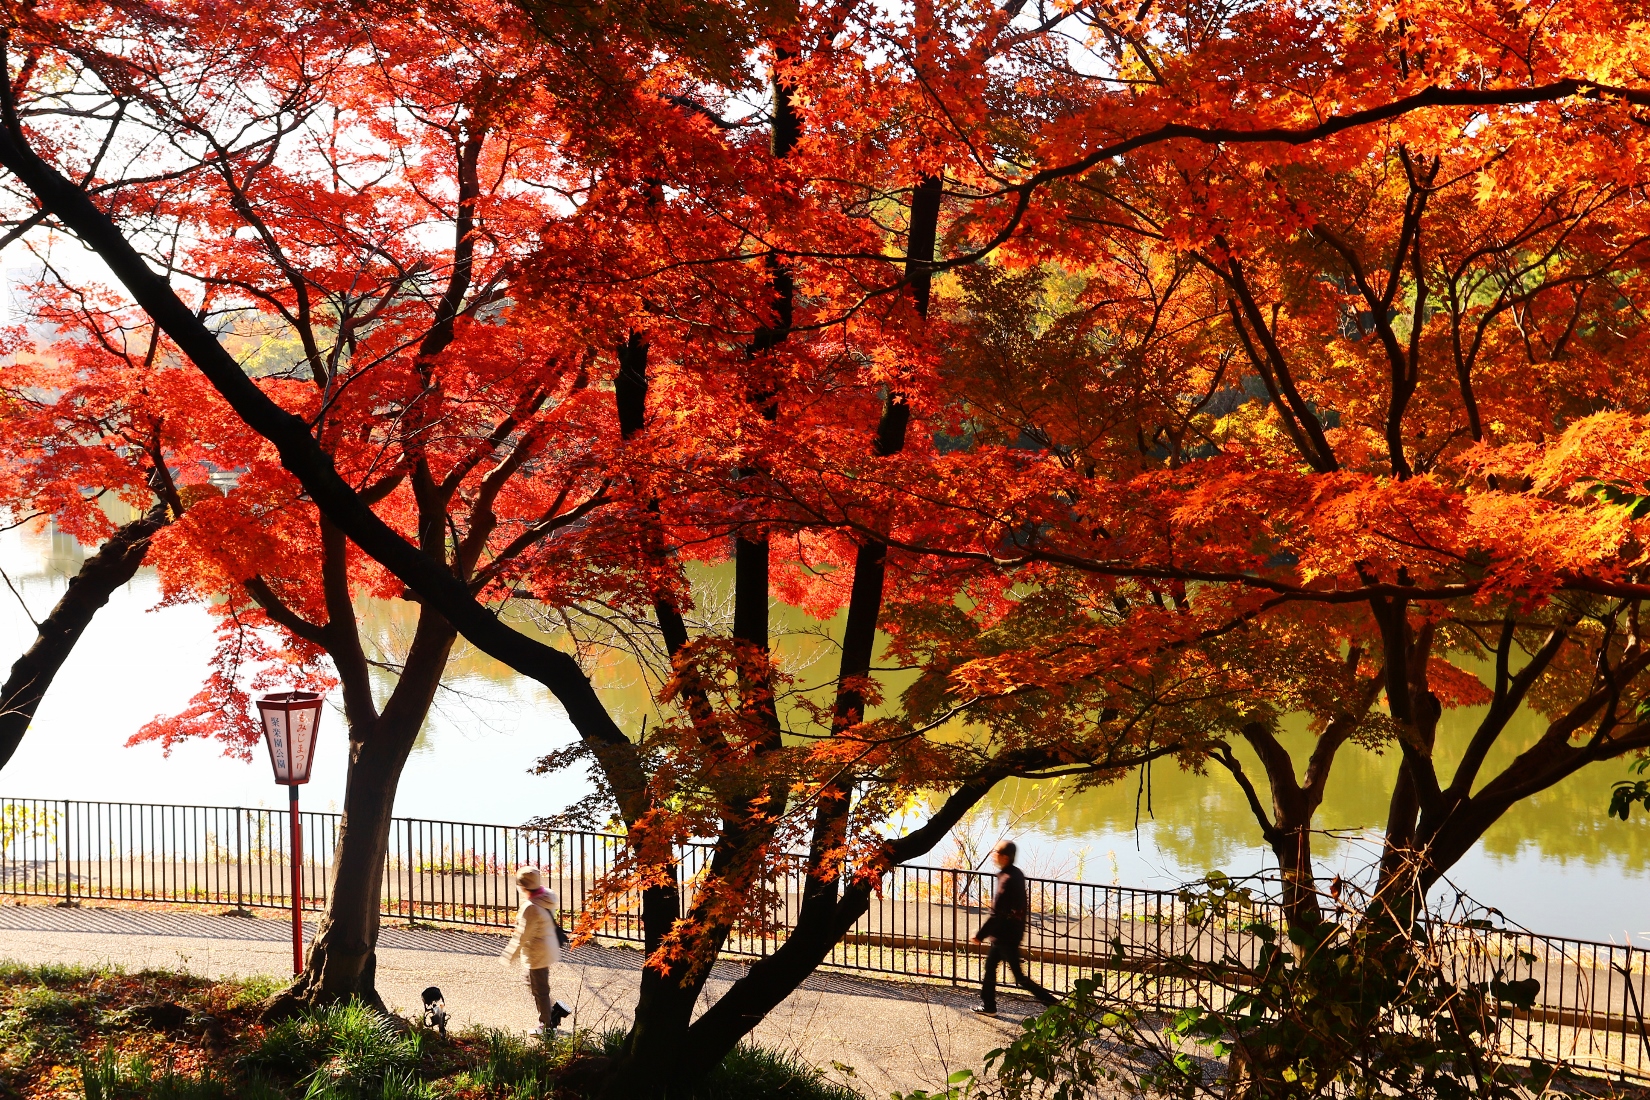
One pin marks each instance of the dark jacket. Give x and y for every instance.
(1008, 907)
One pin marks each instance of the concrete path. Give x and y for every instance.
(877, 1036)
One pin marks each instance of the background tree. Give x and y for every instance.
(1360, 458)
(364, 289)
(104, 439)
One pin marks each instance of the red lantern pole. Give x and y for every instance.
(290, 722)
(297, 884)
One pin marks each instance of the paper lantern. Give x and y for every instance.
(290, 721)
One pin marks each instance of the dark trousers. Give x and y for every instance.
(539, 982)
(1006, 949)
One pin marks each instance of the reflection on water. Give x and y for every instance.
(138, 661)
(1555, 862)
(1202, 820)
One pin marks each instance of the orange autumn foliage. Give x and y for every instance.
(1125, 378)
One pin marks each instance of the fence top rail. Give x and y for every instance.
(18, 799)
(1169, 897)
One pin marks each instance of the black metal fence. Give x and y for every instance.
(1590, 1009)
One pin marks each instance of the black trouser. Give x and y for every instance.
(1006, 949)
(539, 982)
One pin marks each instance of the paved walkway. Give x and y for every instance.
(875, 1035)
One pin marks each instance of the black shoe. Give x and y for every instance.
(559, 1012)
(984, 1010)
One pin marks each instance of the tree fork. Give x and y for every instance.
(772, 978)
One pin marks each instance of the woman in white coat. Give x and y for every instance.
(537, 947)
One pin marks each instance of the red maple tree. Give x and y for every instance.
(1061, 549)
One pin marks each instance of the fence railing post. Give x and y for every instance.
(408, 854)
(68, 858)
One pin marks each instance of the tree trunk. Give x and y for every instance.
(1300, 887)
(697, 1049)
(668, 1053)
(1415, 711)
(112, 565)
(769, 980)
(657, 1045)
(1288, 829)
(766, 984)
(663, 1050)
(342, 961)
(652, 1057)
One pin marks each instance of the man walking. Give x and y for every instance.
(1007, 927)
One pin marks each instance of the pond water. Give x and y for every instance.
(1555, 863)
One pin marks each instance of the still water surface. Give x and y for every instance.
(1555, 863)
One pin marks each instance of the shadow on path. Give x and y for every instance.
(452, 941)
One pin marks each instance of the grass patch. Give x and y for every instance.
(248, 992)
(345, 1052)
(513, 1067)
(51, 975)
(113, 1076)
(752, 1071)
(84, 1034)
(507, 1065)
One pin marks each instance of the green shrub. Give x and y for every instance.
(39, 1018)
(403, 1085)
(363, 1049)
(103, 1077)
(514, 1067)
(290, 1048)
(43, 1007)
(1367, 1006)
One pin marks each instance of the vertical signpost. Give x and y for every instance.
(290, 721)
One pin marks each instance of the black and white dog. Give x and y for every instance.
(435, 1010)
